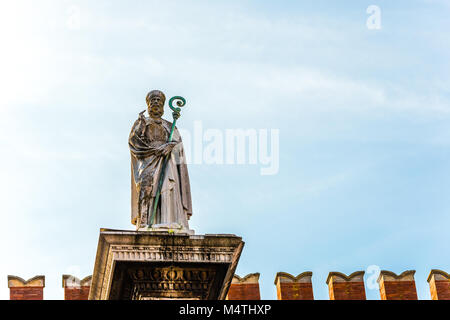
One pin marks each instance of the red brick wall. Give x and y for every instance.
(441, 290)
(347, 291)
(76, 289)
(245, 291)
(398, 290)
(342, 287)
(31, 289)
(246, 288)
(74, 293)
(294, 288)
(394, 287)
(26, 293)
(295, 291)
(439, 285)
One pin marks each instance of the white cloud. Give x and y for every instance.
(237, 66)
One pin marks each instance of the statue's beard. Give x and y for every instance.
(155, 113)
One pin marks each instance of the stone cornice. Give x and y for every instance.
(287, 277)
(37, 281)
(72, 281)
(335, 276)
(407, 275)
(438, 275)
(250, 278)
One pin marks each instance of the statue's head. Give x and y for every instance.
(155, 103)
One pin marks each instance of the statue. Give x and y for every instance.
(167, 262)
(160, 190)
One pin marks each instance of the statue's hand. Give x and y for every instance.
(176, 114)
(140, 129)
(165, 149)
(168, 147)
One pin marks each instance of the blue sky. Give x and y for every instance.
(364, 120)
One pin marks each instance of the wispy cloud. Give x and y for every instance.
(350, 103)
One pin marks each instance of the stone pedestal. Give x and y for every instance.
(139, 265)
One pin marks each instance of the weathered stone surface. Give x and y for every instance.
(136, 265)
(37, 281)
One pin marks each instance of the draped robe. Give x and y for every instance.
(175, 205)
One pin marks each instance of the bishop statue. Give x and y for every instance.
(160, 190)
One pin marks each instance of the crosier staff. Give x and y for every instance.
(175, 114)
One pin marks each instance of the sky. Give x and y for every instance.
(363, 116)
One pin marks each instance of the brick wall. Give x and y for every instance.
(294, 288)
(31, 289)
(439, 282)
(289, 287)
(343, 287)
(397, 287)
(76, 289)
(246, 288)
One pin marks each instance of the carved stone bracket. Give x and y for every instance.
(146, 265)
